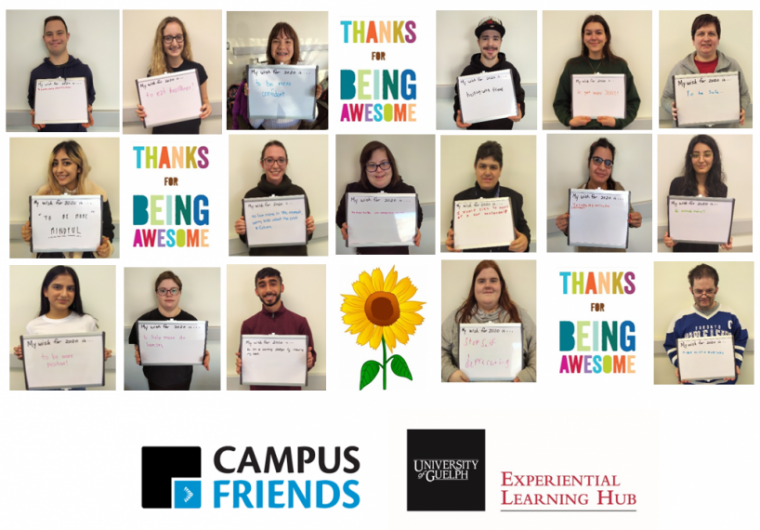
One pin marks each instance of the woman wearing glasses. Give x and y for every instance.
(172, 53)
(601, 157)
(168, 292)
(379, 173)
(275, 181)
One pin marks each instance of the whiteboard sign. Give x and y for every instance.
(61, 101)
(64, 361)
(487, 96)
(700, 219)
(275, 221)
(274, 360)
(381, 219)
(490, 352)
(707, 99)
(706, 358)
(482, 223)
(170, 98)
(282, 91)
(598, 218)
(172, 342)
(598, 95)
(66, 223)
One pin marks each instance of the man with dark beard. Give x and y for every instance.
(275, 319)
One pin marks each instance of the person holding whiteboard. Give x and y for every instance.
(706, 318)
(489, 34)
(274, 181)
(596, 58)
(68, 172)
(488, 301)
(172, 53)
(488, 164)
(60, 64)
(379, 173)
(61, 309)
(706, 59)
(168, 291)
(601, 157)
(282, 48)
(703, 177)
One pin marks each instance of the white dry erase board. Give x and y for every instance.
(481, 223)
(275, 221)
(172, 342)
(598, 218)
(491, 352)
(61, 101)
(66, 223)
(707, 99)
(282, 91)
(700, 219)
(170, 98)
(706, 358)
(381, 219)
(274, 360)
(71, 360)
(597, 95)
(487, 96)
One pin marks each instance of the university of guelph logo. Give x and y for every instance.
(165, 471)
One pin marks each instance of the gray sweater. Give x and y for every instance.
(450, 341)
(687, 67)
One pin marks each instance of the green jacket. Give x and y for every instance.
(581, 65)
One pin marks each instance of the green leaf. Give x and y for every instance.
(370, 369)
(400, 368)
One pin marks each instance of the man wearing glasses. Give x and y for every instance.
(706, 318)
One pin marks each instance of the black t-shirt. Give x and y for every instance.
(164, 375)
(189, 126)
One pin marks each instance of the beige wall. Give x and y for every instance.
(631, 39)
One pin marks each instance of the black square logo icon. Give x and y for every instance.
(446, 470)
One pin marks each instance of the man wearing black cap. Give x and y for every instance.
(489, 33)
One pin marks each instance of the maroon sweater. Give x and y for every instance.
(281, 322)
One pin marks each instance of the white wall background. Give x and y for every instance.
(458, 173)
(251, 28)
(675, 40)
(307, 167)
(456, 42)
(631, 40)
(304, 295)
(94, 40)
(205, 31)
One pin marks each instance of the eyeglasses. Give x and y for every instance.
(164, 292)
(599, 161)
(700, 292)
(179, 38)
(270, 161)
(372, 167)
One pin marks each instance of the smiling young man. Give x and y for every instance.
(60, 64)
(489, 33)
(706, 318)
(706, 59)
(275, 319)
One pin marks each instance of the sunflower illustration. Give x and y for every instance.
(381, 312)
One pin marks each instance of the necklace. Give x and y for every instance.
(598, 66)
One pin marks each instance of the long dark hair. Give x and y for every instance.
(606, 50)
(61, 270)
(464, 313)
(714, 182)
(602, 142)
(367, 154)
(287, 30)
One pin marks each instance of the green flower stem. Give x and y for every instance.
(382, 338)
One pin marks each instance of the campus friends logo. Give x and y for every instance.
(181, 210)
(166, 474)
(587, 336)
(446, 470)
(371, 87)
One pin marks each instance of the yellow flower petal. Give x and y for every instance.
(351, 308)
(390, 338)
(365, 335)
(367, 280)
(400, 333)
(354, 318)
(401, 286)
(412, 306)
(377, 279)
(407, 327)
(361, 290)
(375, 339)
(359, 327)
(407, 294)
(412, 318)
(390, 280)
(353, 300)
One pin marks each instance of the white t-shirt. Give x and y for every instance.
(71, 324)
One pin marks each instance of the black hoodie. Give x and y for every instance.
(73, 68)
(476, 67)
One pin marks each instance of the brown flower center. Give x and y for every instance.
(382, 308)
